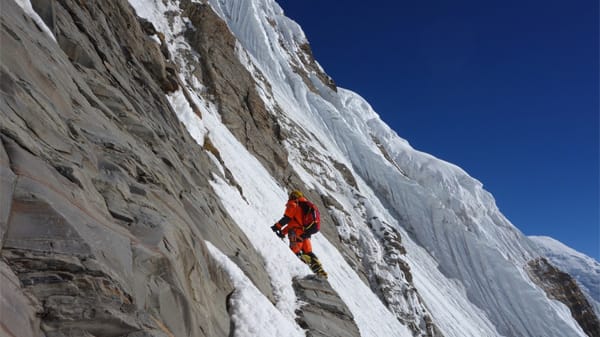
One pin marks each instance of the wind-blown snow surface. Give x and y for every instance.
(466, 258)
(583, 268)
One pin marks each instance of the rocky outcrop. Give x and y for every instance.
(105, 202)
(18, 311)
(323, 313)
(399, 291)
(234, 90)
(562, 287)
(310, 72)
(393, 283)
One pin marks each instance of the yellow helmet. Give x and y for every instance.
(296, 194)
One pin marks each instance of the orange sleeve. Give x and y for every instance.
(291, 209)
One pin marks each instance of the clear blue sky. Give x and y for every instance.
(507, 90)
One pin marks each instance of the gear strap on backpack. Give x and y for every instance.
(311, 218)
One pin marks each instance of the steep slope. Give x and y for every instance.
(108, 223)
(148, 146)
(105, 202)
(435, 203)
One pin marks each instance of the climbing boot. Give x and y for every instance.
(317, 268)
(313, 262)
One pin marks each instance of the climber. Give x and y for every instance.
(301, 220)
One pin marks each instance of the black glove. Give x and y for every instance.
(277, 231)
(305, 236)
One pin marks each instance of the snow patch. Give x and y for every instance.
(251, 312)
(26, 6)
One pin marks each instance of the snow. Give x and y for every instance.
(264, 199)
(447, 299)
(466, 258)
(252, 313)
(26, 6)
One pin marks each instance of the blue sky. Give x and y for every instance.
(507, 90)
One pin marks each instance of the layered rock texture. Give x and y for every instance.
(101, 226)
(562, 287)
(322, 312)
(104, 199)
(91, 197)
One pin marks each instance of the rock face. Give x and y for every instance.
(233, 88)
(104, 199)
(323, 314)
(562, 287)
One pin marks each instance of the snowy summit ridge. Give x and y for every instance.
(168, 155)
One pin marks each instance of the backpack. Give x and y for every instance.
(311, 217)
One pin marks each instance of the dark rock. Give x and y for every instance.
(562, 287)
(346, 173)
(233, 87)
(311, 64)
(7, 182)
(324, 313)
(45, 9)
(69, 173)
